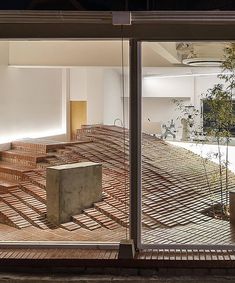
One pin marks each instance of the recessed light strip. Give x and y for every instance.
(183, 75)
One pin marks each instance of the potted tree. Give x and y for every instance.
(221, 121)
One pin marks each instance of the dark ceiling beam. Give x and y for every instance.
(92, 25)
(105, 17)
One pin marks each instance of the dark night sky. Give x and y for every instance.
(111, 5)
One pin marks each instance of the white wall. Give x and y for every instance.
(162, 110)
(95, 94)
(112, 97)
(168, 87)
(87, 84)
(65, 105)
(101, 88)
(78, 84)
(158, 94)
(32, 99)
(202, 84)
(31, 102)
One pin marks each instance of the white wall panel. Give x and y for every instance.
(168, 87)
(30, 102)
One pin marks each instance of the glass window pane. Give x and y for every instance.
(188, 143)
(64, 103)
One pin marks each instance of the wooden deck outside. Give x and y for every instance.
(21, 258)
(82, 253)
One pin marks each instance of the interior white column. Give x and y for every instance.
(66, 101)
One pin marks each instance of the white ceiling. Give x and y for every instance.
(105, 53)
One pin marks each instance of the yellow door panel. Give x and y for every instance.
(78, 115)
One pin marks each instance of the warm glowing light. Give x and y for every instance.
(32, 135)
(182, 75)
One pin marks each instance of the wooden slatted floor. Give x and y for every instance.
(161, 255)
(31, 253)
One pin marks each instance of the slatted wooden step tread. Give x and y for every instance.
(11, 217)
(70, 226)
(86, 222)
(34, 191)
(14, 168)
(6, 184)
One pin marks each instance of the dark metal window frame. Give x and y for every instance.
(135, 160)
(146, 26)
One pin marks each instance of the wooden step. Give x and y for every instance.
(33, 190)
(5, 185)
(14, 169)
(25, 211)
(70, 226)
(86, 222)
(113, 213)
(101, 218)
(28, 145)
(10, 217)
(41, 145)
(11, 174)
(35, 178)
(21, 157)
(29, 200)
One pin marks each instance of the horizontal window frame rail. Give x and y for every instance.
(145, 26)
(101, 17)
(55, 17)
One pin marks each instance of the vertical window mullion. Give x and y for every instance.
(135, 141)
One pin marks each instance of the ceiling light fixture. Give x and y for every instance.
(181, 75)
(202, 62)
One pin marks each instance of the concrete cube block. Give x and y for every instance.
(72, 188)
